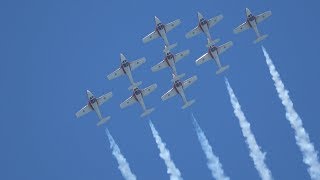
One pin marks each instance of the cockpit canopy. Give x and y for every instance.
(203, 21)
(251, 17)
(169, 55)
(160, 26)
(213, 48)
(92, 100)
(125, 63)
(177, 83)
(137, 91)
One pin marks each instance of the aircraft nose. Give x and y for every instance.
(88, 92)
(122, 57)
(156, 19)
(200, 15)
(248, 11)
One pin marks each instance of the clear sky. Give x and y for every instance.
(51, 52)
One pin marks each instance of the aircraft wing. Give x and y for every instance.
(172, 25)
(161, 65)
(213, 21)
(169, 94)
(146, 91)
(204, 58)
(135, 64)
(84, 111)
(102, 99)
(128, 102)
(181, 55)
(244, 26)
(189, 81)
(115, 74)
(263, 16)
(150, 37)
(195, 31)
(224, 47)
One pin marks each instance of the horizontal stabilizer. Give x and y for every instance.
(210, 42)
(147, 112)
(168, 48)
(135, 85)
(177, 77)
(222, 69)
(103, 121)
(260, 39)
(188, 104)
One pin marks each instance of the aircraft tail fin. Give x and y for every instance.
(212, 42)
(222, 69)
(168, 48)
(260, 38)
(135, 85)
(189, 103)
(103, 121)
(147, 112)
(177, 77)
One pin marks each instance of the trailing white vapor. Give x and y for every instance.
(165, 155)
(123, 164)
(213, 161)
(256, 154)
(309, 153)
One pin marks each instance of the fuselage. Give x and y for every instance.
(178, 87)
(171, 62)
(213, 51)
(251, 19)
(92, 100)
(204, 26)
(93, 103)
(125, 66)
(161, 30)
(137, 95)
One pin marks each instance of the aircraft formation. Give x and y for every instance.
(170, 60)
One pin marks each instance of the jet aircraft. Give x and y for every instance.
(170, 60)
(252, 22)
(179, 88)
(94, 104)
(126, 68)
(213, 53)
(138, 96)
(161, 30)
(204, 26)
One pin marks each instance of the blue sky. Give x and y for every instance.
(53, 51)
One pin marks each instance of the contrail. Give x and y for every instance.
(123, 164)
(165, 155)
(257, 156)
(309, 153)
(213, 161)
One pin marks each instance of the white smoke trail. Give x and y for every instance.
(165, 155)
(257, 156)
(123, 164)
(213, 161)
(309, 153)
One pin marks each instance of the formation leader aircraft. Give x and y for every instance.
(161, 30)
(94, 104)
(252, 22)
(213, 53)
(204, 26)
(178, 88)
(126, 68)
(138, 96)
(170, 60)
